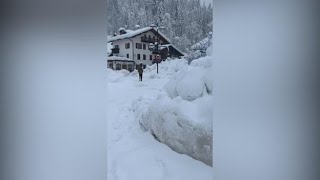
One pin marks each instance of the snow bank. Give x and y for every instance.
(168, 67)
(184, 126)
(203, 62)
(116, 76)
(181, 114)
(193, 82)
(191, 86)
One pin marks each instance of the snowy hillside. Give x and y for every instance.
(175, 107)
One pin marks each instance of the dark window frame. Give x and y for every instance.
(130, 67)
(138, 45)
(144, 57)
(138, 56)
(127, 45)
(111, 65)
(118, 66)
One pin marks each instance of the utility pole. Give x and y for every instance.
(157, 47)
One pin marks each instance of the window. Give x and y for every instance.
(138, 56)
(144, 57)
(130, 68)
(144, 46)
(118, 67)
(127, 45)
(127, 55)
(116, 46)
(150, 57)
(124, 66)
(138, 46)
(111, 65)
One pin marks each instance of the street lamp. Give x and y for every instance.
(155, 47)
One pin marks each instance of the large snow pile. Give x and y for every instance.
(181, 114)
(130, 98)
(193, 82)
(168, 67)
(116, 76)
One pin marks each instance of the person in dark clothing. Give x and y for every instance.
(140, 70)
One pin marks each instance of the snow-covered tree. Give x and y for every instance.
(160, 11)
(167, 23)
(200, 48)
(186, 21)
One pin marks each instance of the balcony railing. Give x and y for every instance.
(147, 39)
(115, 50)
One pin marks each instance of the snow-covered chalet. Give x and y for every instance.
(130, 48)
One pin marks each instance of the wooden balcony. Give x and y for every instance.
(147, 39)
(115, 50)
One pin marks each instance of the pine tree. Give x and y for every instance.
(159, 16)
(185, 21)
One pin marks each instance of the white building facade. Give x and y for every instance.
(133, 48)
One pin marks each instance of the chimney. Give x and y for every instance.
(122, 31)
(137, 27)
(153, 25)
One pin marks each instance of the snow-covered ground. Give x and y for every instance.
(133, 153)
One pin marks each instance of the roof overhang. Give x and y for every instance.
(172, 47)
(119, 58)
(132, 34)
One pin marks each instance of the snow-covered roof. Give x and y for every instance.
(133, 33)
(118, 58)
(109, 47)
(163, 46)
(129, 34)
(121, 29)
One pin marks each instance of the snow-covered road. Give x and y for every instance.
(134, 154)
